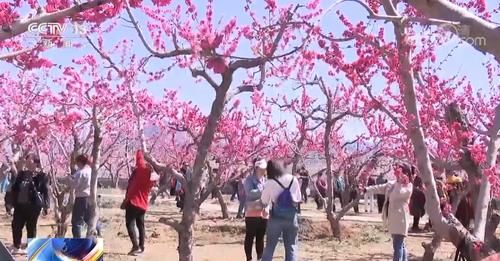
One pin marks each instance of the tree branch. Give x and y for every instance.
(155, 53)
(202, 73)
(14, 54)
(22, 25)
(486, 35)
(172, 223)
(105, 57)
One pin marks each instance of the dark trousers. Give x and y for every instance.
(134, 217)
(24, 215)
(303, 191)
(80, 216)
(416, 222)
(380, 203)
(319, 202)
(353, 195)
(180, 201)
(235, 191)
(255, 228)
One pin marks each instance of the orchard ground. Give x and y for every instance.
(221, 240)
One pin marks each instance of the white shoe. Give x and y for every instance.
(18, 251)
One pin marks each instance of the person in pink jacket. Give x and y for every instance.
(396, 213)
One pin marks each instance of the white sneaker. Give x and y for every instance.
(18, 251)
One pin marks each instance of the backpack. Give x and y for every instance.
(284, 207)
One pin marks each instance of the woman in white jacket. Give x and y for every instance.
(396, 213)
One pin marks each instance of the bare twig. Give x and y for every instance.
(173, 53)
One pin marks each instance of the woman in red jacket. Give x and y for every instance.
(136, 201)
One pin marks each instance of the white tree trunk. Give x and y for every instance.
(484, 35)
(96, 158)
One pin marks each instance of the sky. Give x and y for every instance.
(463, 60)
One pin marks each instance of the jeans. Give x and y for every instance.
(398, 243)
(80, 216)
(24, 215)
(134, 217)
(289, 229)
(255, 227)
(4, 185)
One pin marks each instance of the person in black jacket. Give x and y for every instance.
(380, 197)
(29, 195)
(417, 203)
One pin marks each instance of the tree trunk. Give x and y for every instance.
(222, 203)
(186, 238)
(116, 180)
(486, 35)
(430, 248)
(346, 194)
(62, 210)
(297, 156)
(334, 225)
(193, 191)
(96, 158)
(62, 224)
(491, 226)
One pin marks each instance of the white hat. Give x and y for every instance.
(261, 164)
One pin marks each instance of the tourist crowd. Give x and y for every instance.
(269, 199)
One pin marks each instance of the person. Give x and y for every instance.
(80, 182)
(215, 172)
(297, 176)
(241, 195)
(5, 178)
(417, 203)
(255, 214)
(369, 198)
(443, 198)
(282, 191)
(465, 211)
(395, 211)
(380, 196)
(179, 188)
(163, 187)
(304, 178)
(29, 195)
(136, 201)
(322, 188)
(353, 192)
(187, 173)
(173, 183)
(234, 185)
(339, 190)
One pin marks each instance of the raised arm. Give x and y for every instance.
(377, 189)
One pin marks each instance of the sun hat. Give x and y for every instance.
(261, 164)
